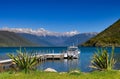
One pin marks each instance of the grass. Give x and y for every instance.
(114, 74)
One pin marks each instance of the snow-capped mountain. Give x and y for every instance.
(39, 32)
(47, 38)
(58, 40)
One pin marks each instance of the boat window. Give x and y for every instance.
(72, 49)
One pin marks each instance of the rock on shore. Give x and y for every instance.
(50, 70)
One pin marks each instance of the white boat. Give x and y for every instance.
(72, 52)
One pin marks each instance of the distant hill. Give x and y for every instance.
(48, 40)
(51, 40)
(8, 39)
(108, 37)
(79, 38)
(40, 40)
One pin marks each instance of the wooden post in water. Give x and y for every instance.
(1, 67)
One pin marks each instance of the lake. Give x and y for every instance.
(65, 65)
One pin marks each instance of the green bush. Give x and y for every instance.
(102, 60)
(23, 60)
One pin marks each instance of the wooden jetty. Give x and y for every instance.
(40, 57)
(51, 56)
(71, 53)
(5, 64)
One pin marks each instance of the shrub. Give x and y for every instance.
(23, 60)
(102, 60)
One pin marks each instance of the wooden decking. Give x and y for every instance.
(50, 56)
(39, 57)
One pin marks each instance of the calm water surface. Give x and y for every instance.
(82, 63)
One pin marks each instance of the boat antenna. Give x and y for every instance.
(73, 44)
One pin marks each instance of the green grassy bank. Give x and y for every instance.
(49, 75)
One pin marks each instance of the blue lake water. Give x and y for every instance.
(82, 63)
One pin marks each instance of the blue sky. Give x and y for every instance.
(59, 15)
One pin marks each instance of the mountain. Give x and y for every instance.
(58, 40)
(47, 38)
(79, 38)
(13, 39)
(40, 40)
(40, 32)
(108, 37)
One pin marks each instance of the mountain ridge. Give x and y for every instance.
(109, 37)
(39, 32)
(43, 37)
(10, 39)
(58, 41)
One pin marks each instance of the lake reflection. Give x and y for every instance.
(60, 65)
